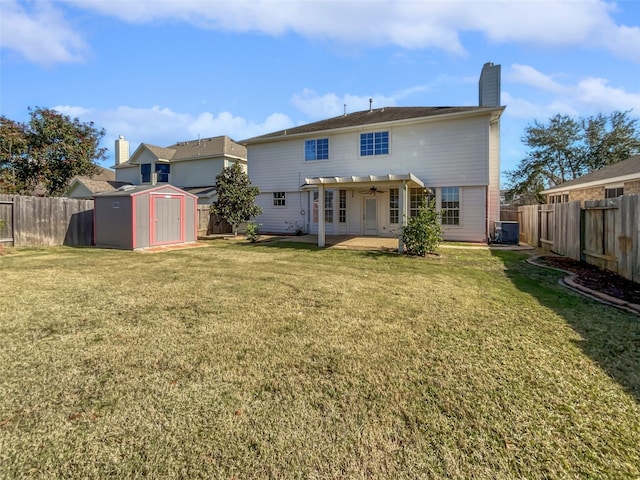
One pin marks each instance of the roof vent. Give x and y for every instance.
(126, 188)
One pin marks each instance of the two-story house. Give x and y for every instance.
(191, 166)
(365, 173)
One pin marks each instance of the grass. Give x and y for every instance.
(285, 361)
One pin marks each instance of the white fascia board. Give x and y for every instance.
(495, 111)
(596, 183)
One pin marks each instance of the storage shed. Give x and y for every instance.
(136, 217)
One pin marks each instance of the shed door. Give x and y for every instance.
(167, 219)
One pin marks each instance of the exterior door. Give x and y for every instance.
(371, 216)
(166, 218)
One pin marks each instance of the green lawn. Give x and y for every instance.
(285, 361)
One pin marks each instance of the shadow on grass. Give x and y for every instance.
(312, 247)
(610, 337)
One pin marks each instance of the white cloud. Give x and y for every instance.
(408, 24)
(41, 35)
(162, 126)
(317, 106)
(587, 96)
(528, 75)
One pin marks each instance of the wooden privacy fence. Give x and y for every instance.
(603, 233)
(45, 221)
(209, 223)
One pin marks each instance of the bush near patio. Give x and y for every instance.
(423, 233)
(295, 362)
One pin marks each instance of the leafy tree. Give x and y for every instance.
(50, 150)
(423, 233)
(236, 196)
(567, 148)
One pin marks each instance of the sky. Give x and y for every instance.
(163, 71)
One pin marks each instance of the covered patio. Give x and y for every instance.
(402, 182)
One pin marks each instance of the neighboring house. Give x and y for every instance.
(191, 166)
(83, 187)
(365, 172)
(621, 178)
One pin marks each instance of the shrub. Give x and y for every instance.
(296, 227)
(423, 233)
(252, 232)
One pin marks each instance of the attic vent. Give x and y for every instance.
(125, 188)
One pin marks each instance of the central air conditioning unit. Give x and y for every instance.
(507, 233)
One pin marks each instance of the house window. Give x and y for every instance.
(328, 206)
(565, 197)
(342, 207)
(279, 199)
(145, 172)
(417, 197)
(394, 205)
(450, 206)
(374, 143)
(316, 149)
(613, 192)
(162, 171)
(315, 207)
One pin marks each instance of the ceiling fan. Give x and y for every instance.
(372, 191)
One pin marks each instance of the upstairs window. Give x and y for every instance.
(145, 173)
(374, 143)
(317, 149)
(162, 171)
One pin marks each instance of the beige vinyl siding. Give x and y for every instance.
(80, 191)
(461, 152)
(196, 173)
(473, 201)
(130, 175)
(494, 179)
(452, 152)
(273, 219)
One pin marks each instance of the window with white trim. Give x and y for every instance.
(450, 205)
(342, 207)
(374, 143)
(145, 173)
(328, 206)
(279, 199)
(417, 197)
(317, 149)
(613, 192)
(394, 205)
(162, 171)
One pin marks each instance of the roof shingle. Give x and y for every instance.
(369, 117)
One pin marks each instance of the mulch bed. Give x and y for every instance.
(596, 279)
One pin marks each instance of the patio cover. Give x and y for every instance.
(407, 177)
(404, 181)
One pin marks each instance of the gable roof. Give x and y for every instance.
(371, 117)
(192, 149)
(210, 147)
(103, 181)
(98, 186)
(619, 171)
